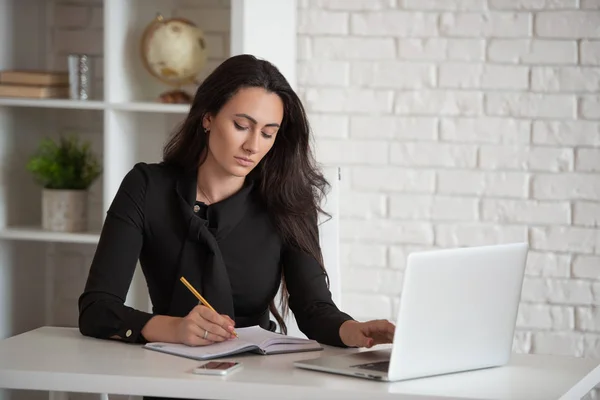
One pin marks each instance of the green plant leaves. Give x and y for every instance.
(66, 164)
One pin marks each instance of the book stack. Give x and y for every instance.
(34, 84)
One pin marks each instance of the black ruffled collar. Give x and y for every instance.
(208, 275)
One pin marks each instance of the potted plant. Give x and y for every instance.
(65, 169)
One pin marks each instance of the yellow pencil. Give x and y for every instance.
(199, 296)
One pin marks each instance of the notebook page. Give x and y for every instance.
(227, 347)
(203, 352)
(292, 348)
(262, 337)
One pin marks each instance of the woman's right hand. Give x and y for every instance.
(203, 326)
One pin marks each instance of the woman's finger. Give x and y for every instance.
(231, 322)
(194, 336)
(383, 327)
(381, 331)
(214, 332)
(223, 321)
(367, 342)
(205, 319)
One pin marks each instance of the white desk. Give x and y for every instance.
(60, 359)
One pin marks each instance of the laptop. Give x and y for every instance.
(457, 313)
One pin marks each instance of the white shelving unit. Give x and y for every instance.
(133, 126)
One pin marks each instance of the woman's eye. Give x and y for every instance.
(267, 136)
(239, 127)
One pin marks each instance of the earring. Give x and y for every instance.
(207, 131)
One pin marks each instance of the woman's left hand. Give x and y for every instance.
(367, 334)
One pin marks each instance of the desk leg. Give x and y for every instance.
(49, 291)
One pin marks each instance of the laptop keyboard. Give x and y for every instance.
(381, 366)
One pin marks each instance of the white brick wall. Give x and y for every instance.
(455, 122)
(490, 114)
(533, 51)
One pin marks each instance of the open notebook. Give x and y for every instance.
(252, 339)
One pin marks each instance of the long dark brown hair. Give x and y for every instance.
(289, 183)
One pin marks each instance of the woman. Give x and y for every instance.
(233, 208)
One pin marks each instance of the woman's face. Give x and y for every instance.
(244, 130)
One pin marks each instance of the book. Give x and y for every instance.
(34, 77)
(252, 339)
(25, 91)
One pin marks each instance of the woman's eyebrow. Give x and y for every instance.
(254, 121)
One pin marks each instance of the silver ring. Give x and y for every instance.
(205, 334)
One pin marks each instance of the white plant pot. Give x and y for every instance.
(64, 210)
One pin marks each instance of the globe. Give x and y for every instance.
(174, 51)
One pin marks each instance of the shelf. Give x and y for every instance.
(53, 103)
(152, 107)
(33, 233)
(96, 105)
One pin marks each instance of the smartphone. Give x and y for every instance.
(217, 367)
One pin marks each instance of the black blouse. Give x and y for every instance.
(230, 251)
